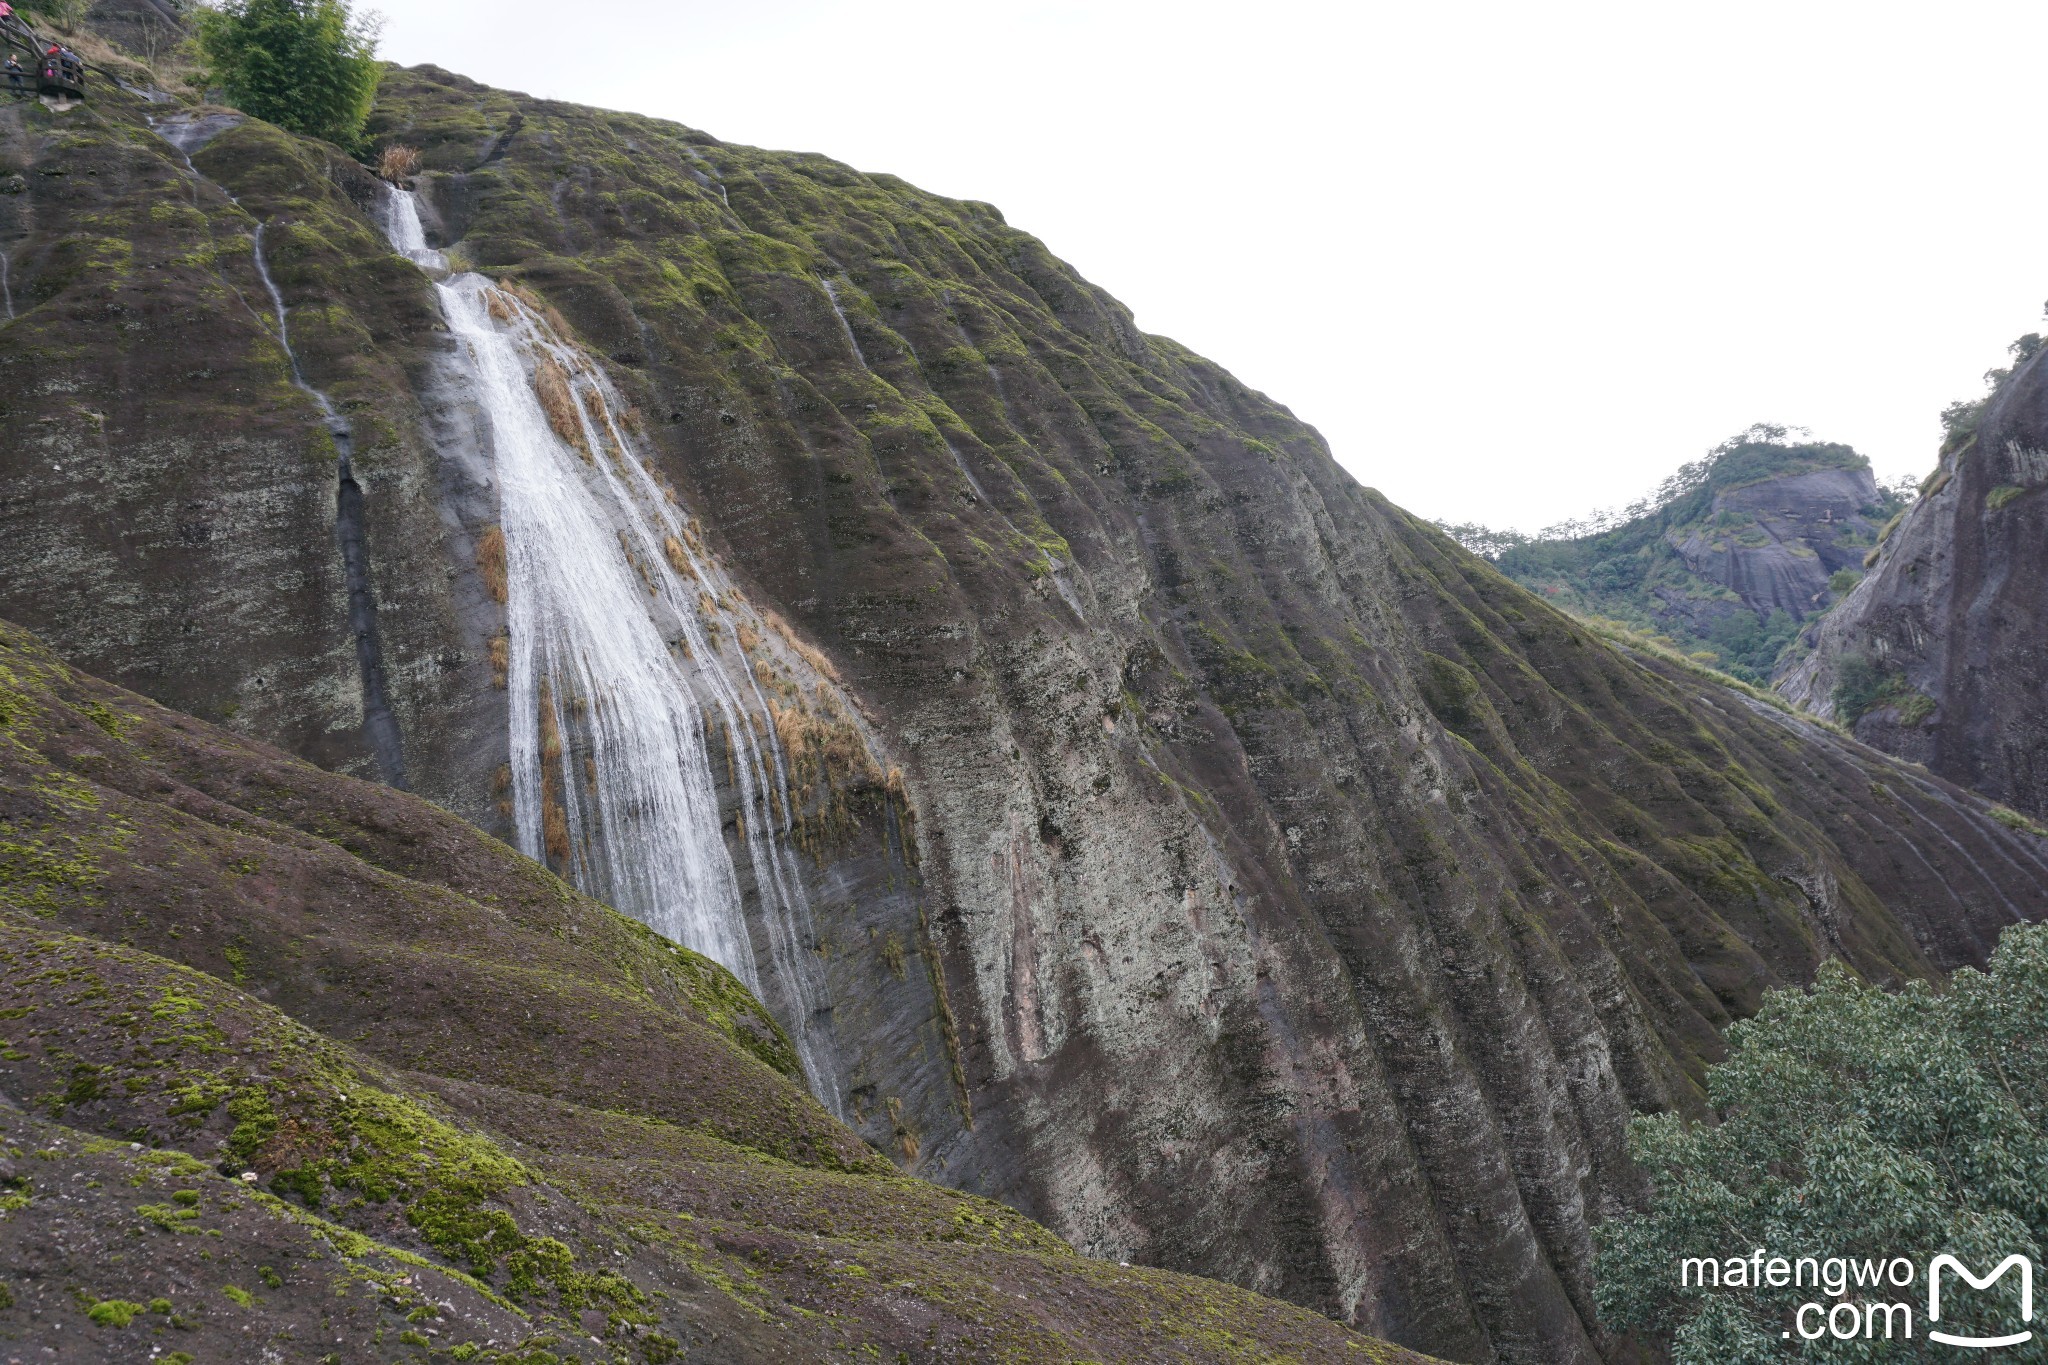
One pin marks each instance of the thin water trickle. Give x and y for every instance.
(832, 293)
(335, 424)
(624, 671)
(6, 286)
(380, 722)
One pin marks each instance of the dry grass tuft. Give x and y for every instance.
(554, 827)
(398, 162)
(677, 558)
(554, 820)
(490, 562)
(804, 649)
(906, 1137)
(551, 386)
(501, 660)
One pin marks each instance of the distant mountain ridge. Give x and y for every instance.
(1726, 561)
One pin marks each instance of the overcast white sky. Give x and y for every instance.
(1515, 260)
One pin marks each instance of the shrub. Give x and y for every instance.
(60, 12)
(1862, 687)
(398, 162)
(306, 65)
(2012, 819)
(1842, 581)
(1853, 1122)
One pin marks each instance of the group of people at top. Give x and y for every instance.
(60, 64)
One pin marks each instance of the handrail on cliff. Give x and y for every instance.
(57, 73)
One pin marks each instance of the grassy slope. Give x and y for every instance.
(473, 1100)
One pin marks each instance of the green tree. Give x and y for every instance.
(52, 11)
(307, 65)
(1856, 1123)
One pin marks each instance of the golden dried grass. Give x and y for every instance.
(551, 386)
(554, 820)
(490, 562)
(803, 648)
(398, 162)
(677, 558)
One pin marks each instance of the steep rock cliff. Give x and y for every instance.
(1275, 890)
(1936, 656)
(301, 1068)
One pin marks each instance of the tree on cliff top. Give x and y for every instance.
(307, 65)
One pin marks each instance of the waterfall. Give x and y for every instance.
(832, 293)
(408, 236)
(628, 685)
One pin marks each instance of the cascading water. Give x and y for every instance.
(188, 133)
(6, 287)
(408, 235)
(618, 665)
(839, 311)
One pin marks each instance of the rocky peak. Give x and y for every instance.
(1776, 543)
(1936, 656)
(1727, 559)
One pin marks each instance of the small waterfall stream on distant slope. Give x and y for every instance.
(618, 668)
(188, 133)
(380, 723)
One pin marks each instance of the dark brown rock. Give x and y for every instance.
(1946, 636)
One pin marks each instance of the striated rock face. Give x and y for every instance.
(1936, 656)
(1775, 544)
(1267, 886)
(375, 1081)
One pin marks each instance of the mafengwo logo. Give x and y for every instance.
(1859, 1288)
(2025, 1268)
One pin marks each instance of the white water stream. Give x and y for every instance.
(626, 683)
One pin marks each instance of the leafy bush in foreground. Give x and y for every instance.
(1857, 1123)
